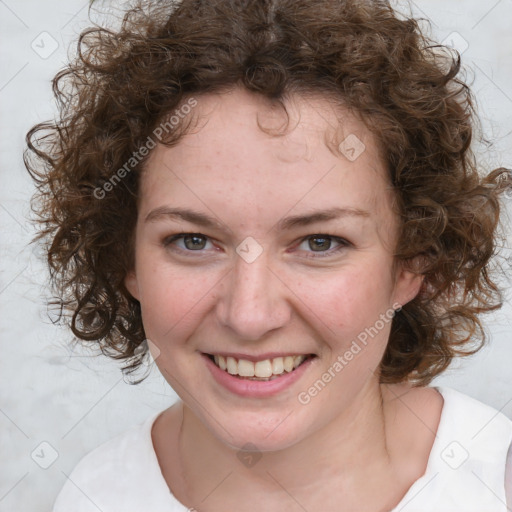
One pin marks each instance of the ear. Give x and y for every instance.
(132, 285)
(408, 282)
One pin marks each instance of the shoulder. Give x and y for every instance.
(508, 477)
(118, 471)
(466, 468)
(471, 428)
(466, 416)
(470, 452)
(444, 409)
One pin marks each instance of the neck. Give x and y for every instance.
(347, 450)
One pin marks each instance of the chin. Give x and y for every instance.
(258, 432)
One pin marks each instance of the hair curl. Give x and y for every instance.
(124, 82)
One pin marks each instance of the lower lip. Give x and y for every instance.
(256, 388)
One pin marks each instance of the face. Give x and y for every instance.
(256, 248)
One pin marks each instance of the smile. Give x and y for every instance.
(267, 369)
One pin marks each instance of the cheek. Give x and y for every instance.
(349, 300)
(170, 300)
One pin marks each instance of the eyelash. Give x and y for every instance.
(317, 254)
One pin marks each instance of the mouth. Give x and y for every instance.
(264, 370)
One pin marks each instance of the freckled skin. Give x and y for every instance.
(288, 300)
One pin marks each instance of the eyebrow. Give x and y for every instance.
(287, 223)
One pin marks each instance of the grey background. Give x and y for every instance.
(53, 394)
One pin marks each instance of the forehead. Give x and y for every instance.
(244, 148)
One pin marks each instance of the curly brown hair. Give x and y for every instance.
(124, 82)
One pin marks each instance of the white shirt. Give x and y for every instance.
(465, 470)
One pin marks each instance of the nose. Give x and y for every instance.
(253, 300)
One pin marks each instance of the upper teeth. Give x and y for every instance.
(265, 368)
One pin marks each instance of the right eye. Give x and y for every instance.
(190, 242)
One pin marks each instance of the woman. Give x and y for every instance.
(279, 201)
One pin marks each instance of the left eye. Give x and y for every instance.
(322, 244)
